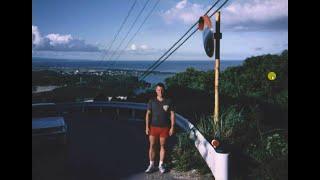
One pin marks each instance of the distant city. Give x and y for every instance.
(129, 68)
(97, 72)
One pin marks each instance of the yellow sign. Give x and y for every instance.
(272, 76)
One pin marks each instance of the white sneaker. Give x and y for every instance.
(162, 169)
(150, 169)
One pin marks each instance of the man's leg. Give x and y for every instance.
(152, 148)
(162, 148)
(162, 153)
(152, 153)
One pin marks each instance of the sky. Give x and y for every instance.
(85, 29)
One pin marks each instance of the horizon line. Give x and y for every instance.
(94, 60)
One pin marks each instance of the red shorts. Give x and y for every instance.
(159, 131)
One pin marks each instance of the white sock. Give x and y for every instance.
(160, 163)
(151, 163)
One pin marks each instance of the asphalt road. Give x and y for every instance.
(100, 146)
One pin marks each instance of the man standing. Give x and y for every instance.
(160, 126)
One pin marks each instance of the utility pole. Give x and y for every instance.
(217, 37)
(211, 43)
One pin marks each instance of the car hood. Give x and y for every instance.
(47, 122)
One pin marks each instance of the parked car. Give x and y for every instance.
(47, 125)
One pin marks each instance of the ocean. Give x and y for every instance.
(166, 69)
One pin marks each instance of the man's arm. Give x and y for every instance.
(147, 121)
(173, 121)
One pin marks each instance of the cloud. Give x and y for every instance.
(256, 14)
(133, 47)
(77, 55)
(183, 11)
(182, 4)
(57, 42)
(36, 37)
(244, 15)
(59, 39)
(142, 47)
(143, 51)
(258, 49)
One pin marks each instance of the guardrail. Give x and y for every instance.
(217, 162)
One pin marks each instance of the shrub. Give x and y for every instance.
(272, 154)
(186, 157)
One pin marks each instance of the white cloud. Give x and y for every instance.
(59, 39)
(36, 37)
(256, 12)
(133, 47)
(184, 11)
(144, 47)
(240, 27)
(238, 15)
(182, 4)
(57, 42)
(141, 50)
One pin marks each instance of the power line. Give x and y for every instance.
(131, 27)
(154, 64)
(149, 14)
(148, 72)
(121, 26)
(144, 76)
(160, 62)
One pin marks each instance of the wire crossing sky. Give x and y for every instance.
(121, 26)
(82, 29)
(141, 25)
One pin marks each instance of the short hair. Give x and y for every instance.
(161, 85)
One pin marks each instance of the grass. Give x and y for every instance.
(260, 155)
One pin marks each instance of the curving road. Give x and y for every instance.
(100, 146)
